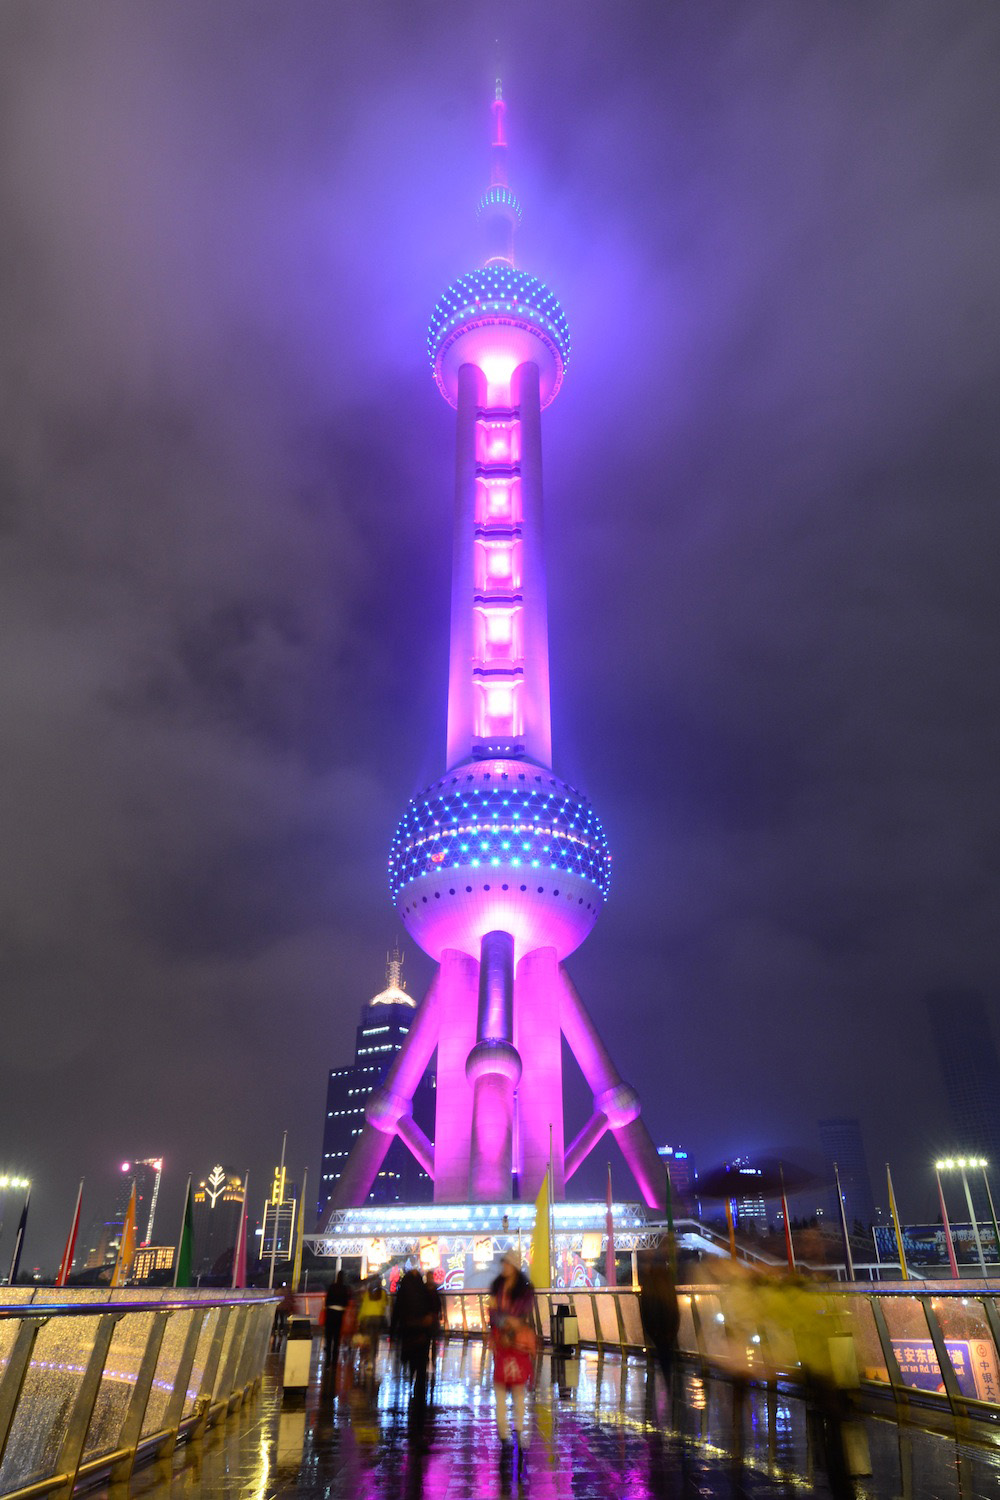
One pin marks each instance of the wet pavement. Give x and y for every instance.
(596, 1428)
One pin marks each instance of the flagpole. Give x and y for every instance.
(66, 1264)
(788, 1228)
(15, 1259)
(848, 1257)
(274, 1226)
(126, 1246)
(180, 1238)
(671, 1235)
(239, 1249)
(895, 1220)
(610, 1275)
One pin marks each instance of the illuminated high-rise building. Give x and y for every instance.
(383, 1029)
(104, 1234)
(500, 868)
(217, 1211)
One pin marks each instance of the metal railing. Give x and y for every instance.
(936, 1345)
(91, 1381)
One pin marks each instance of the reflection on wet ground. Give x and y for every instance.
(597, 1428)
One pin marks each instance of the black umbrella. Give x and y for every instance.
(757, 1176)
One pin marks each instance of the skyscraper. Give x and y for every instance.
(104, 1232)
(962, 1031)
(844, 1147)
(500, 868)
(217, 1208)
(385, 1025)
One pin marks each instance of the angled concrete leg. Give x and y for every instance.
(613, 1098)
(390, 1104)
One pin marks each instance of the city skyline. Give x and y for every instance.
(772, 470)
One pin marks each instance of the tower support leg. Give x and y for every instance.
(538, 1039)
(493, 1068)
(613, 1098)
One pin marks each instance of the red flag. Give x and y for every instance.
(66, 1264)
(610, 1274)
(240, 1249)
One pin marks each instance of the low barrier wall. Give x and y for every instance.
(934, 1343)
(91, 1381)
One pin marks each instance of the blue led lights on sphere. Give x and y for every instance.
(505, 827)
(490, 295)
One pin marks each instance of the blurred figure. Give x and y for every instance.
(412, 1330)
(437, 1308)
(373, 1319)
(338, 1296)
(512, 1336)
(660, 1311)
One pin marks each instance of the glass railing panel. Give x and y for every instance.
(544, 1304)
(121, 1368)
(861, 1321)
(970, 1345)
(687, 1340)
(631, 1321)
(583, 1303)
(165, 1378)
(607, 1317)
(713, 1327)
(43, 1412)
(911, 1343)
(11, 1296)
(223, 1372)
(208, 1331)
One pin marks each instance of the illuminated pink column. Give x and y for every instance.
(458, 983)
(536, 713)
(471, 396)
(538, 1039)
(615, 1100)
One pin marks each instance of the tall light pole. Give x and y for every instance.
(939, 1166)
(950, 1164)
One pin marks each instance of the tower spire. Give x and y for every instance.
(499, 210)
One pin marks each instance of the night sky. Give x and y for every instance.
(225, 502)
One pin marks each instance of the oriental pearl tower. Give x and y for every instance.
(499, 869)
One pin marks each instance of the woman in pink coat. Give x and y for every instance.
(512, 1303)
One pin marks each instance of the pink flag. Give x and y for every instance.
(610, 1274)
(240, 1250)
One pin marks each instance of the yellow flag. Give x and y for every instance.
(126, 1247)
(540, 1254)
(297, 1265)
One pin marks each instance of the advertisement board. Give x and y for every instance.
(925, 1245)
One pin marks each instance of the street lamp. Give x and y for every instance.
(949, 1164)
(938, 1167)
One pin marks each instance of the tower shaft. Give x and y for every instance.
(498, 689)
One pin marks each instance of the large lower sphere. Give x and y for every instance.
(499, 845)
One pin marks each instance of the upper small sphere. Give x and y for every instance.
(498, 318)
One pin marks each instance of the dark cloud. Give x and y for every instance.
(224, 550)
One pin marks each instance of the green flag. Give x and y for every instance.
(182, 1261)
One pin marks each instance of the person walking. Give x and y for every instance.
(338, 1296)
(411, 1332)
(373, 1319)
(437, 1313)
(512, 1303)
